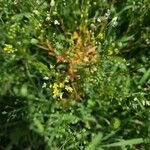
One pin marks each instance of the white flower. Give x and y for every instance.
(4, 113)
(56, 22)
(135, 99)
(107, 14)
(147, 41)
(52, 3)
(44, 85)
(48, 18)
(98, 20)
(114, 21)
(46, 78)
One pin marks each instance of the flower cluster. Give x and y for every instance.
(13, 29)
(9, 48)
(114, 22)
(58, 89)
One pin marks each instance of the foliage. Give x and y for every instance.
(74, 74)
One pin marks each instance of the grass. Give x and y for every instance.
(74, 74)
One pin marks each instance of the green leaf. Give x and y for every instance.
(145, 77)
(112, 133)
(38, 126)
(94, 143)
(20, 16)
(125, 143)
(41, 67)
(34, 41)
(24, 90)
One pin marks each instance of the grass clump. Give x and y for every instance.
(74, 74)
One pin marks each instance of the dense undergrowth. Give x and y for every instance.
(74, 74)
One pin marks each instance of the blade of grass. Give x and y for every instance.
(109, 135)
(97, 139)
(145, 77)
(125, 143)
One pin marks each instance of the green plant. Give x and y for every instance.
(74, 74)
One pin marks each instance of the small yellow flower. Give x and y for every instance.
(101, 36)
(56, 92)
(75, 35)
(55, 86)
(110, 52)
(8, 48)
(61, 85)
(68, 88)
(52, 66)
(36, 12)
(39, 25)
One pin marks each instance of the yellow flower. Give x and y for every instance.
(36, 12)
(55, 86)
(52, 66)
(61, 85)
(68, 88)
(101, 36)
(8, 48)
(57, 89)
(110, 52)
(56, 92)
(75, 35)
(39, 25)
